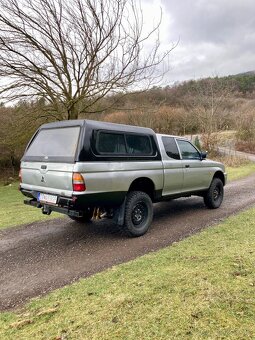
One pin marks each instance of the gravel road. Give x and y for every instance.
(42, 256)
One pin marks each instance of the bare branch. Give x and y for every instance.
(73, 53)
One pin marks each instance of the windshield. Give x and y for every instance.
(54, 145)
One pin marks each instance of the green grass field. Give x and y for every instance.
(245, 170)
(200, 288)
(13, 212)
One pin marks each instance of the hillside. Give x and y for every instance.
(197, 106)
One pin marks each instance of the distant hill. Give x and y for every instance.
(241, 85)
(249, 73)
(244, 82)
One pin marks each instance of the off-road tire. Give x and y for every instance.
(87, 216)
(138, 213)
(214, 195)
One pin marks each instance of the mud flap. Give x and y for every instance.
(119, 214)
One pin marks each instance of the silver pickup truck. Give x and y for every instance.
(88, 169)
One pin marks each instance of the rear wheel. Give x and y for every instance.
(214, 195)
(87, 216)
(138, 213)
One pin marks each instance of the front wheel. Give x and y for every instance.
(214, 195)
(138, 213)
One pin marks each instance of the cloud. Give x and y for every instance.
(216, 37)
(216, 21)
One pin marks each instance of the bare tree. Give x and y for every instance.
(208, 101)
(72, 53)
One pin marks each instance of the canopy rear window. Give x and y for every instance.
(55, 145)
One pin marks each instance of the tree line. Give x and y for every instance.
(207, 106)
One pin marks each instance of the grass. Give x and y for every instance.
(239, 172)
(200, 288)
(236, 167)
(13, 212)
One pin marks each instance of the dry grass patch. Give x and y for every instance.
(233, 161)
(236, 167)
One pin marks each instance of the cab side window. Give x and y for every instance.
(188, 151)
(171, 147)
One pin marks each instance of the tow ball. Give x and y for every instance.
(46, 210)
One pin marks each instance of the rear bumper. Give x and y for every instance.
(75, 205)
(48, 208)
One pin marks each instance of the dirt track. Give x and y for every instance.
(37, 258)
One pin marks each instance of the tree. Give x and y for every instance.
(208, 101)
(18, 124)
(197, 143)
(245, 129)
(72, 53)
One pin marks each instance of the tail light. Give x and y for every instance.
(20, 176)
(78, 182)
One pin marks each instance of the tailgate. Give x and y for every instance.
(55, 178)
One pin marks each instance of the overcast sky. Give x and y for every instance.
(216, 37)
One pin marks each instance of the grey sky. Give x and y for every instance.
(217, 37)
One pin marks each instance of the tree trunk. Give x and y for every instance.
(72, 113)
(12, 159)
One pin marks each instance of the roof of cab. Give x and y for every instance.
(99, 125)
(174, 136)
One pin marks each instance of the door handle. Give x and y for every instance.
(187, 165)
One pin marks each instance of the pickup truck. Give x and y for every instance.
(88, 169)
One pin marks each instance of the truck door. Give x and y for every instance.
(172, 165)
(195, 174)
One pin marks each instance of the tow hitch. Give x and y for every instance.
(46, 210)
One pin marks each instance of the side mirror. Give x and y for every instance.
(203, 155)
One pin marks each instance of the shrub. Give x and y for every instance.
(197, 143)
(232, 160)
(245, 146)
